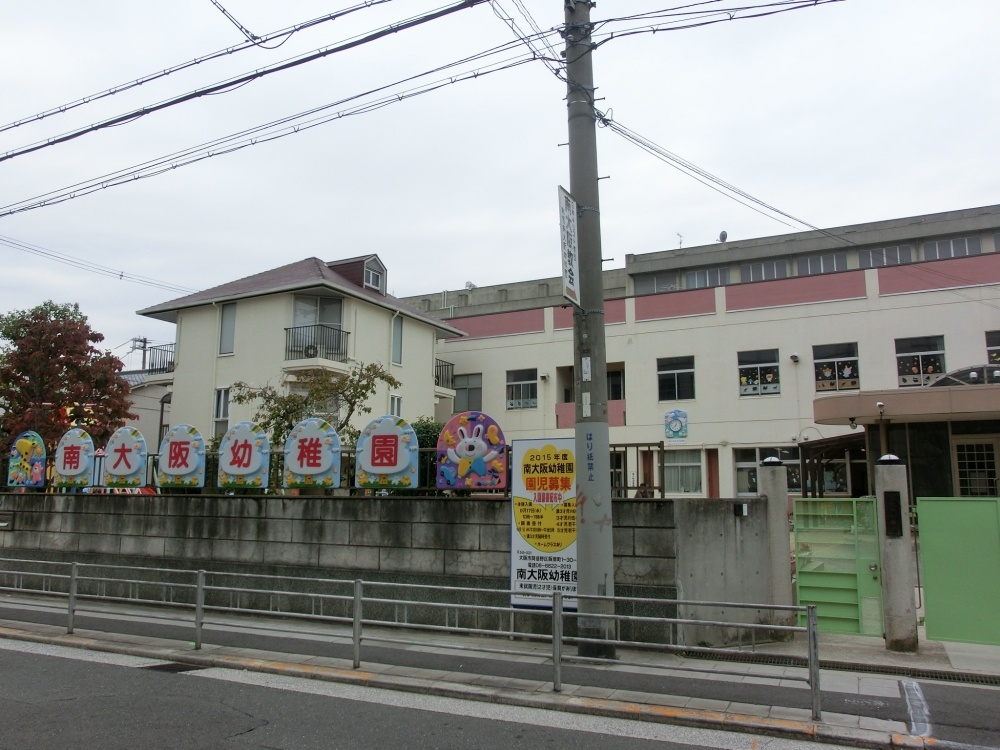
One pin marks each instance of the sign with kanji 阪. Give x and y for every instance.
(182, 458)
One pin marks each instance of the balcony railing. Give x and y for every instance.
(159, 358)
(316, 342)
(444, 374)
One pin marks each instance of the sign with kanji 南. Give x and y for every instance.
(74, 465)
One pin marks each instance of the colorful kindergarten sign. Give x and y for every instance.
(27, 461)
(244, 457)
(543, 523)
(182, 458)
(471, 452)
(125, 459)
(312, 455)
(74, 460)
(387, 455)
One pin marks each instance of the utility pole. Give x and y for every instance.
(595, 556)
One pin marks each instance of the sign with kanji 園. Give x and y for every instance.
(244, 457)
(26, 467)
(471, 453)
(387, 455)
(312, 455)
(543, 520)
(182, 458)
(125, 458)
(74, 460)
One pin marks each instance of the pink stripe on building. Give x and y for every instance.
(799, 290)
(675, 304)
(614, 312)
(940, 274)
(501, 324)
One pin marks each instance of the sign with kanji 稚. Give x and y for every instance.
(312, 455)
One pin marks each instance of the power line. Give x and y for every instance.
(283, 34)
(233, 83)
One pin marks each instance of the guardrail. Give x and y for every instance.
(396, 608)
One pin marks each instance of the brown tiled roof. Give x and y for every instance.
(303, 274)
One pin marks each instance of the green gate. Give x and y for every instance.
(960, 561)
(837, 563)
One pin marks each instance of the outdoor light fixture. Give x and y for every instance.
(854, 423)
(880, 405)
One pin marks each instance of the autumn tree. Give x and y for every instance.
(52, 373)
(336, 397)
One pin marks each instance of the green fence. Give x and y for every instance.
(960, 560)
(837, 563)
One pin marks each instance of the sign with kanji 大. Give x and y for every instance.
(182, 458)
(244, 457)
(312, 455)
(471, 452)
(543, 522)
(125, 458)
(27, 461)
(74, 460)
(387, 455)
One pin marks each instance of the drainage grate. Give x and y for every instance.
(173, 667)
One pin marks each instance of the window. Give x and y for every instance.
(522, 389)
(836, 367)
(759, 372)
(976, 468)
(373, 277)
(748, 459)
(308, 311)
(953, 248)
(993, 347)
(706, 277)
(682, 471)
(227, 328)
(396, 406)
(814, 264)
(764, 271)
(920, 361)
(616, 385)
(654, 283)
(885, 256)
(397, 340)
(221, 413)
(468, 392)
(328, 409)
(675, 377)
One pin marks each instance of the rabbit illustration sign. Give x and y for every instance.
(471, 453)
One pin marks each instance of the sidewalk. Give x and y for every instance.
(857, 672)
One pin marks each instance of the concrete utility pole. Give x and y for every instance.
(595, 557)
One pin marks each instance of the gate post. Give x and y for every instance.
(899, 615)
(772, 484)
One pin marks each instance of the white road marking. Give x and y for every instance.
(920, 714)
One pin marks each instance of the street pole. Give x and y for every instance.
(595, 556)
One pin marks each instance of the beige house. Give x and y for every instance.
(264, 328)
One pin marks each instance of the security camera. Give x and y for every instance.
(880, 405)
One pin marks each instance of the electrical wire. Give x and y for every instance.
(92, 267)
(240, 80)
(283, 34)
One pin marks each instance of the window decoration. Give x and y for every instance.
(759, 372)
(920, 361)
(836, 367)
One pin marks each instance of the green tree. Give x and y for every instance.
(336, 397)
(52, 373)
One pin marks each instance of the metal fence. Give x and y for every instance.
(390, 613)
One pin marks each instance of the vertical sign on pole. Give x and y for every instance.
(570, 250)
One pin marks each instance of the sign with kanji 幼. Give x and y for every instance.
(312, 455)
(543, 522)
(182, 458)
(125, 458)
(244, 457)
(570, 247)
(74, 465)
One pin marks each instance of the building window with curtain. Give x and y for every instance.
(221, 413)
(397, 340)
(682, 472)
(227, 328)
(522, 389)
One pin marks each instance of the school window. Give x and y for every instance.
(836, 367)
(675, 378)
(397, 340)
(396, 406)
(221, 413)
(682, 472)
(748, 460)
(227, 328)
(706, 277)
(885, 256)
(468, 392)
(758, 372)
(814, 264)
(993, 347)
(655, 283)
(765, 271)
(522, 389)
(919, 361)
(616, 385)
(957, 247)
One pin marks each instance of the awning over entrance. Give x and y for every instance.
(936, 404)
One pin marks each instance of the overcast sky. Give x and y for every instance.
(841, 113)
